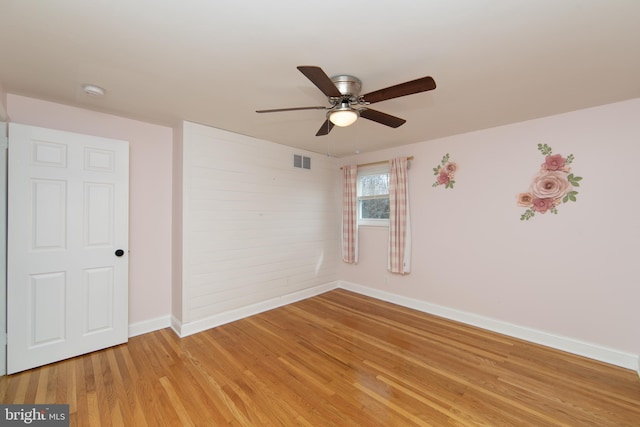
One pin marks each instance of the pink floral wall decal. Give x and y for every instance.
(552, 186)
(445, 172)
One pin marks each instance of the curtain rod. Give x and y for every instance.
(378, 163)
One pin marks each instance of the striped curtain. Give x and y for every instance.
(399, 217)
(350, 214)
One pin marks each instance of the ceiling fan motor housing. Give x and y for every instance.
(349, 86)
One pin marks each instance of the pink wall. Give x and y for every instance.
(574, 274)
(150, 194)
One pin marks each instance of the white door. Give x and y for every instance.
(67, 273)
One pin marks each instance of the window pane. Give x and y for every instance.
(374, 185)
(374, 209)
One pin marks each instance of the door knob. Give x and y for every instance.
(119, 252)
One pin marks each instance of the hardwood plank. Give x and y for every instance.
(176, 402)
(20, 385)
(333, 360)
(81, 404)
(103, 387)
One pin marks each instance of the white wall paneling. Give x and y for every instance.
(254, 228)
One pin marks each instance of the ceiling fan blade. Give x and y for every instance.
(382, 118)
(276, 110)
(320, 79)
(325, 128)
(403, 89)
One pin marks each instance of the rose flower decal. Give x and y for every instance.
(553, 185)
(445, 172)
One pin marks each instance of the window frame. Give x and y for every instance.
(377, 169)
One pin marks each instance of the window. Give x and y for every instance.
(373, 195)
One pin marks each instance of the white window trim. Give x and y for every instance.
(371, 170)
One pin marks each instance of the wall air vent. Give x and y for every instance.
(302, 162)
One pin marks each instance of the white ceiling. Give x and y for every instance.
(216, 62)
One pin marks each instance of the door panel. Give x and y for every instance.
(98, 301)
(49, 213)
(98, 214)
(47, 307)
(68, 214)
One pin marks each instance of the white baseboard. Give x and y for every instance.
(176, 325)
(592, 351)
(186, 329)
(150, 325)
(570, 345)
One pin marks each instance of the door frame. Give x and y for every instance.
(4, 145)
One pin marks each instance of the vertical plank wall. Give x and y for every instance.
(256, 230)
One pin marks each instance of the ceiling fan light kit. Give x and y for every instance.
(343, 93)
(343, 117)
(349, 88)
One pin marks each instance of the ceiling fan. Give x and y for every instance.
(343, 93)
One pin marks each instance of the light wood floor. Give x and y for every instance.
(338, 359)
